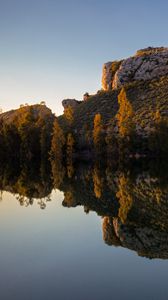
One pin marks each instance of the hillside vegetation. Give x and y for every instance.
(118, 123)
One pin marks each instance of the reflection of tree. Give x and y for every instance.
(110, 177)
(24, 201)
(97, 181)
(133, 204)
(69, 198)
(58, 173)
(26, 183)
(70, 170)
(124, 196)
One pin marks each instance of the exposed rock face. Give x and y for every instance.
(109, 71)
(70, 102)
(146, 64)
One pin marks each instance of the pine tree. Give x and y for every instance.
(125, 115)
(57, 142)
(69, 114)
(126, 126)
(98, 133)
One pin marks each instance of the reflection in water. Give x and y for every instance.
(133, 203)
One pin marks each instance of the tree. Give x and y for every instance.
(69, 114)
(69, 151)
(158, 138)
(42, 103)
(124, 115)
(57, 142)
(126, 126)
(98, 133)
(86, 96)
(29, 133)
(111, 142)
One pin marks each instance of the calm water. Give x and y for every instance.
(101, 235)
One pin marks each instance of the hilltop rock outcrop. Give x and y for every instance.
(70, 102)
(146, 64)
(37, 110)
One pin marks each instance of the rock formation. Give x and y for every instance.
(70, 102)
(146, 64)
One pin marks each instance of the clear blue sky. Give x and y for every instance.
(51, 50)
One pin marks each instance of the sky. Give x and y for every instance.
(51, 50)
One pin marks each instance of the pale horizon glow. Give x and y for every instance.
(52, 50)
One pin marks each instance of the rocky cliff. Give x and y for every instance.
(146, 64)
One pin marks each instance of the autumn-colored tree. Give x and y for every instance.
(46, 128)
(29, 133)
(70, 145)
(57, 143)
(69, 152)
(98, 133)
(124, 115)
(11, 139)
(69, 114)
(126, 126)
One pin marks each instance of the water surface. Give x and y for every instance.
(101, 235)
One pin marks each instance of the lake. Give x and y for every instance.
(92, 233)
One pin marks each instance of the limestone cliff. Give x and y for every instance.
(146, 64)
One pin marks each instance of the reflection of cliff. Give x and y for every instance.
(134, 207)
(144, 228)
(150, 241)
